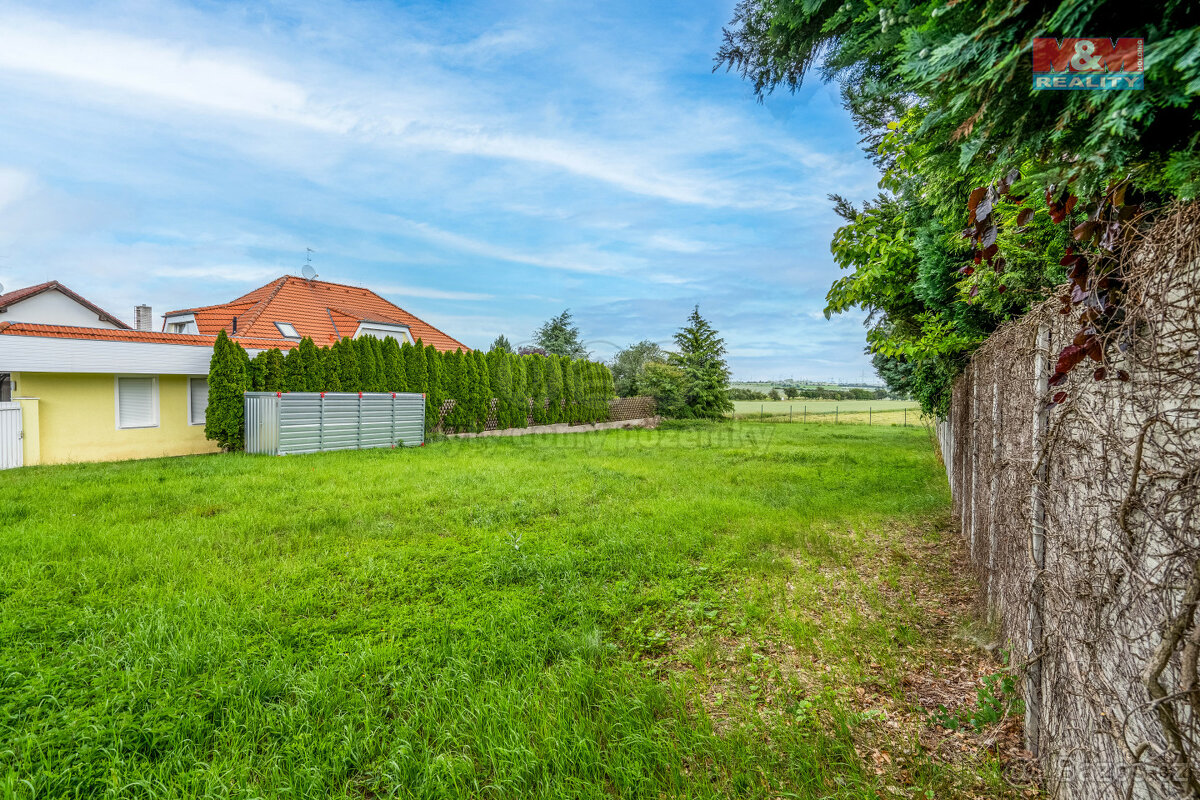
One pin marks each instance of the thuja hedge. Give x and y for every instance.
(544, 389)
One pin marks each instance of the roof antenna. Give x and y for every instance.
(308, 272)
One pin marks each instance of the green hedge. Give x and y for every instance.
(547, 388)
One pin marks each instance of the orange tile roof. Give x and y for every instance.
(318, 309)
(18, 295)
(146, 337)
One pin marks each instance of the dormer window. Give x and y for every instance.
(287, 330)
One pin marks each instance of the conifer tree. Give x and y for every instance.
(414, 365)
(224, 419)
(570, 399)
(481, 390)
(520, 395)
(311, 367)
(272, 370)
(348, 367)
(500, 369)
(459, 418)
(365, 353)
(394, 374)
(535, 382)
(554, 390)
(293, 371)
(331, 368)
(701, 356)
(436, 395)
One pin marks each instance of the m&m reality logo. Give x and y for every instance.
(1088, 63)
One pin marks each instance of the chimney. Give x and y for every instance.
(145, 318)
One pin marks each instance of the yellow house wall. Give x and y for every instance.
(77, 420)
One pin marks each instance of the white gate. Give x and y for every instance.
(11, 446)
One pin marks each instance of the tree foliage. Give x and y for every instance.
(701, 357)
(559, 336)
(942, 95)
(627, 366)
(501, 343)
(224, 419)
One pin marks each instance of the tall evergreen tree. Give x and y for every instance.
(459, 418)
(701, 356)
(311, 368)
(414, 365)
(559, 336)
(272, 378)
(293, 371)
(501, 343)
(535, 382)
(570, 396)
(554, 390)
(520, 395)
(481, 390)
(256, 372)
(395, 377)
(436, 395)
(224, 419)
(500, 371)
(330, 362)
(365, 354)
(350, 370)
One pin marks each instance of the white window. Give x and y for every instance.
(177, 327)
(137, 402)
(197, 400)
(287, 330)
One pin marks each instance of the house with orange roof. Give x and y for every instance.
(105, 392)
(293, 308)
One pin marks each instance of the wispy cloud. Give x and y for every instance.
(495, 164)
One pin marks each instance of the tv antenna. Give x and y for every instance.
(308, 272)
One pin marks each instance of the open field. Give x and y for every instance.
(878, 412)
(712, 610)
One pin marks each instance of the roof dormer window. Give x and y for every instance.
(287, 330)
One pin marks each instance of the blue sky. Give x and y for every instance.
(482, 164)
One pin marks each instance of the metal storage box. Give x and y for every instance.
(289, 423)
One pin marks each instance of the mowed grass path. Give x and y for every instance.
(535, 617)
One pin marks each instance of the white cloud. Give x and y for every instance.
(429, 293)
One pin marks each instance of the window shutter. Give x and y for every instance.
(198, 391)
(135, 403)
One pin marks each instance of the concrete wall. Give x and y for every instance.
(74, 419)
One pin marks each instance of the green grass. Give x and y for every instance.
(875, 412)
(692, 612)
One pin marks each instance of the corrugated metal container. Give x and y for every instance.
(314, 422)
(11, 446)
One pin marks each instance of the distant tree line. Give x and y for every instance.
(794, 393)
(546, 388)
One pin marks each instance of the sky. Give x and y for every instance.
(483, 165)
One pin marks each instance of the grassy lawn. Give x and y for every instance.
(705, 611)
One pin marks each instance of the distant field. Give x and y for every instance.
(879, 412)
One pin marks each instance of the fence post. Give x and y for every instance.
(994, 494)
(762, 410)
(868, 415)
(805, 413)
(1037, 541)
(973, 431)
(835, 415)
(906, 418)
(789, 413)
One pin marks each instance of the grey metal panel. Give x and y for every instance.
(262, 423)
(12, 448)
(312, 422)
